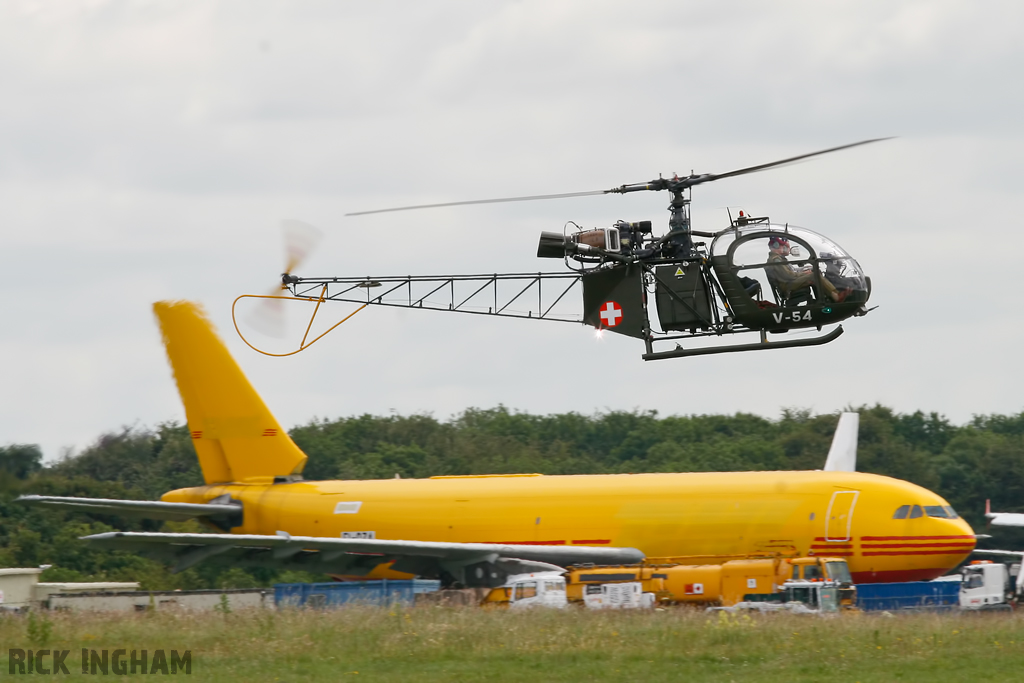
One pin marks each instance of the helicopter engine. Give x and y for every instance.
(622, 238)
(587, 242)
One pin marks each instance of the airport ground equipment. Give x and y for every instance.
(909, 595)
(626, 595)
(669, 581)
(987, 585)
(384, 592)
(526, 591)
(798, 596)
(705, 581)
(983, 585)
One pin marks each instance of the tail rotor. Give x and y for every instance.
(300, 239)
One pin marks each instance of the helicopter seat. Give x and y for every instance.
(787, 298)
(751, 286)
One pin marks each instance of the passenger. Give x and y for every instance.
(789, 279)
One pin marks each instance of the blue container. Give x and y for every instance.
(926, 595)
(384, 592)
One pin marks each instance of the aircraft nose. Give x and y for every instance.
(959, 532)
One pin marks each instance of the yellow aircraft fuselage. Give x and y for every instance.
(242, 451)
(839, 514)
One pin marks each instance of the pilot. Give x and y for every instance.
(790, 279)
(834, 272)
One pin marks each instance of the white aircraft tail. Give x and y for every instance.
(842, 456)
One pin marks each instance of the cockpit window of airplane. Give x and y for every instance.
(905, 511)
(915, 511)
(941, 511)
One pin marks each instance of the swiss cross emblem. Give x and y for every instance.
(611, 314)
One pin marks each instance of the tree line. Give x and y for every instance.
(966, 464)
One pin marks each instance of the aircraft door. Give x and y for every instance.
(839, 518)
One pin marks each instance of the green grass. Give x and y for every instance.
(444, 644)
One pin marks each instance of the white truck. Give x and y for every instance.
(537, 589)
(987, 585)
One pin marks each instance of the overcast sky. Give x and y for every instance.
(149, 150)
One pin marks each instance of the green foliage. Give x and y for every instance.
(21, 460)
(967, 464)
(17, 463)
(236, 577)
(39, 629)
(224, 607)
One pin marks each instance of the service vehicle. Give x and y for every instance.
(683, 581)
(800, 596)
(526, 591)
(668, 581)
(989, 585)
(629, 595)
(982, 585)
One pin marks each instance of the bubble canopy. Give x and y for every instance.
(746, 247)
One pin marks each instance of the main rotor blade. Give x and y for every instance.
(659, 184)
(761, 167)
(531, 198)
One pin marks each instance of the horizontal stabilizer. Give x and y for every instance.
(842, 456)
(353, 556)
(147, 509)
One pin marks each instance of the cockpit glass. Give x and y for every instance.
(951, 513)
(940, 511)
(794, 263)
(916, 512)
(901, 512)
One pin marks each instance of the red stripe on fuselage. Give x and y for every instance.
(969, 546)
(593, 542)
(527, 542)
(901, 553)
(915, 538)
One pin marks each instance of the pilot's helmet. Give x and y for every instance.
(829, 259)
(776, 242)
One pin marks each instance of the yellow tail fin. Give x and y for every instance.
(235, 436)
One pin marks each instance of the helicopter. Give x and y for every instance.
(754, 276)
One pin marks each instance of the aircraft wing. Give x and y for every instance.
(480, 564)
(149, 509)
(1002, 553)
(1006, 518)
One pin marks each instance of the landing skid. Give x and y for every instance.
(679, 352)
